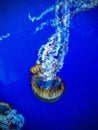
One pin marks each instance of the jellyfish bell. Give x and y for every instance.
(9, 119)
(46, 90)
(4, 107)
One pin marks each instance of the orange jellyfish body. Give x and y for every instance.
(49, 91)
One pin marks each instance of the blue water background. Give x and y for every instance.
(78, 107)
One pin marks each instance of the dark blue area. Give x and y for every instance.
(78, 108)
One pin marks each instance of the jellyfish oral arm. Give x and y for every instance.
(51, 55)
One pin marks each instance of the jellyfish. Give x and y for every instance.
(9, 119)
(45, 83)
